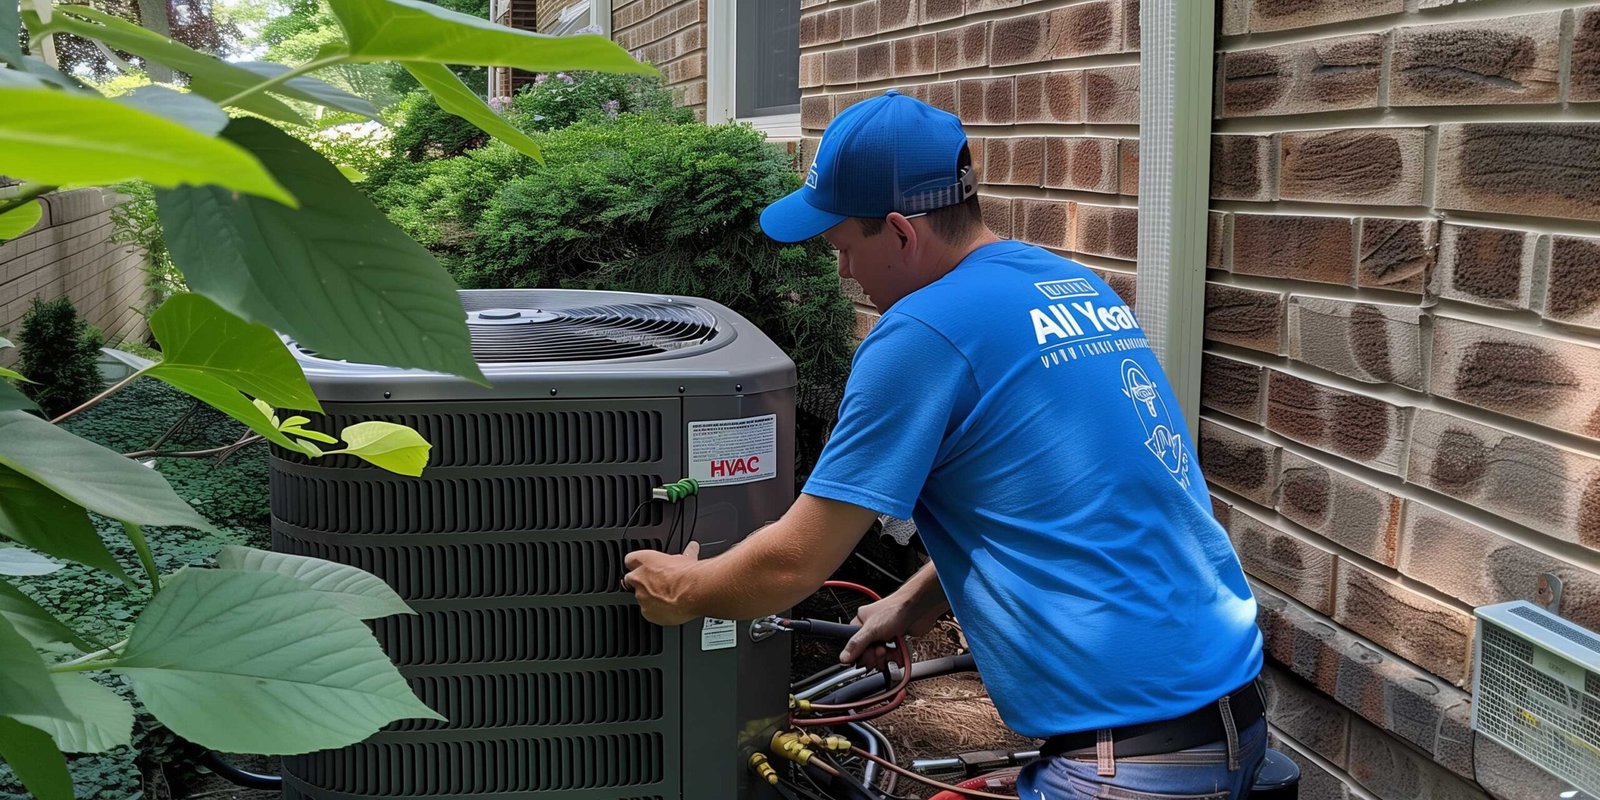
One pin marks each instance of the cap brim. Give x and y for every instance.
(792, 219)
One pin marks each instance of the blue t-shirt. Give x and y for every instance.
(1014, 410)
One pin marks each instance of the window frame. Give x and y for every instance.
(722, 34)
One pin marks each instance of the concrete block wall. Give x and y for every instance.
(670, 34)
(70, 253)
(1400, 418)
(1048, 91)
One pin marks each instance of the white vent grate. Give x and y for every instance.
(1537, 690)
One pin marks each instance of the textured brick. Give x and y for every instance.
(1111, 95)
(863, 19)
(1553, 490)
(1232, 386)
(1548, 381)
(1289, 563)
(1395, 254)
(1128, 174)
(845, 100)
(941, 96)
(1318, 249)
(1316, 783)
(1234, 17)
(980, 6)
(1219, 239)
(1342, 508)
(1364, 429)
(840, 66)
(1086, 163)
(1109, 231)
(1505, 60)
(1244, 317)
(894, 15)
(997, 214)
(1325, 75)
(1389, 769)
(1050, 97)
(1125, 284)
(964, 48)
(1487, 266)
(1584, 83)
(1378, 166)
(1020, 40)
(874, 62)
(1047, 223)
(1480, 567)
(1014, 160)
(816, 111)
(1430, 634)
(1239, 462)
(1244, 167)
(1310, 717)
(988, 101)
(1573, 287)
(1086, 29)
(813, 71)
(1277, 15)
(916, 55)
(1365, 341)
(1130, 26)
(1532, 168)
(938, 10)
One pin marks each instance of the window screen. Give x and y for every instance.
(767, 58)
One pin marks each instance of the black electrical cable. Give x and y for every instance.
(877, 682)
(694, 522)
(239, 777)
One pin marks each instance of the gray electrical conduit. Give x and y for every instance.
(878, 682)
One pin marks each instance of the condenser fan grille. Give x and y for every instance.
(589, 333)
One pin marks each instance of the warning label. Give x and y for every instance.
(728, 451)
(718, 634)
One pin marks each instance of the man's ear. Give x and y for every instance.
(903, 228)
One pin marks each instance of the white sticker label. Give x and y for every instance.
(1559, 668)
(718, 634)
(729, 451)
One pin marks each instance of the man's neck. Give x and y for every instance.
(956, 253)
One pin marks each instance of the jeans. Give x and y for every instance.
(1198, 774)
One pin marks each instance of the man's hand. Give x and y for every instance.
(882, 622)
(659, 582)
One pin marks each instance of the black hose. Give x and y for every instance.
(826, 672)
(240, 777)
(820, 627)
(877, 682)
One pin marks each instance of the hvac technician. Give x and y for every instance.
(1009, 403)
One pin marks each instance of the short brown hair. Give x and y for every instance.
(955, 224)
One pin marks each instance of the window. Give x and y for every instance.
(753, 64)
(584, 15)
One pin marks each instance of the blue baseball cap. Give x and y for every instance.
(889, 153)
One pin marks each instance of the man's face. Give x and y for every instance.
(878, 262)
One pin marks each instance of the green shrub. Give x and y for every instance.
(428, 131)
(644, 205)
(134, 221)
(362, 146)
(563, 99)
(58, 352)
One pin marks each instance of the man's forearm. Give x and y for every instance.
(923, 595)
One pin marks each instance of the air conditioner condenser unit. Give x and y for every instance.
(510, 548)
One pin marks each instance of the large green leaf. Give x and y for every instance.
(186, 108)
(456, 98)
(353, 589)
(23, 562)
(310, 89)
(10, 26)
(197, 335)
(222, 80)
(393, 447)
(90, 475)
(25, 686)
(34, 758)
(223, 397)
(101, 719)
(306, 674)
(37, 625)
(416, 30)
(34, 515)
(13, 400)
(11, 54)
(62, 138)
(18, 220)
(334, 274)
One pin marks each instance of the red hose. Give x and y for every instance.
(868, 707)
(1002, 779)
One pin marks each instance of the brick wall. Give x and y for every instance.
(670, 34)
(70, 253)
(1400, 417)
(1048, 92)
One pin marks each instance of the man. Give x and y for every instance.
(1008, 401)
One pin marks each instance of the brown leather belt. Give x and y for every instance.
(1195, 729)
